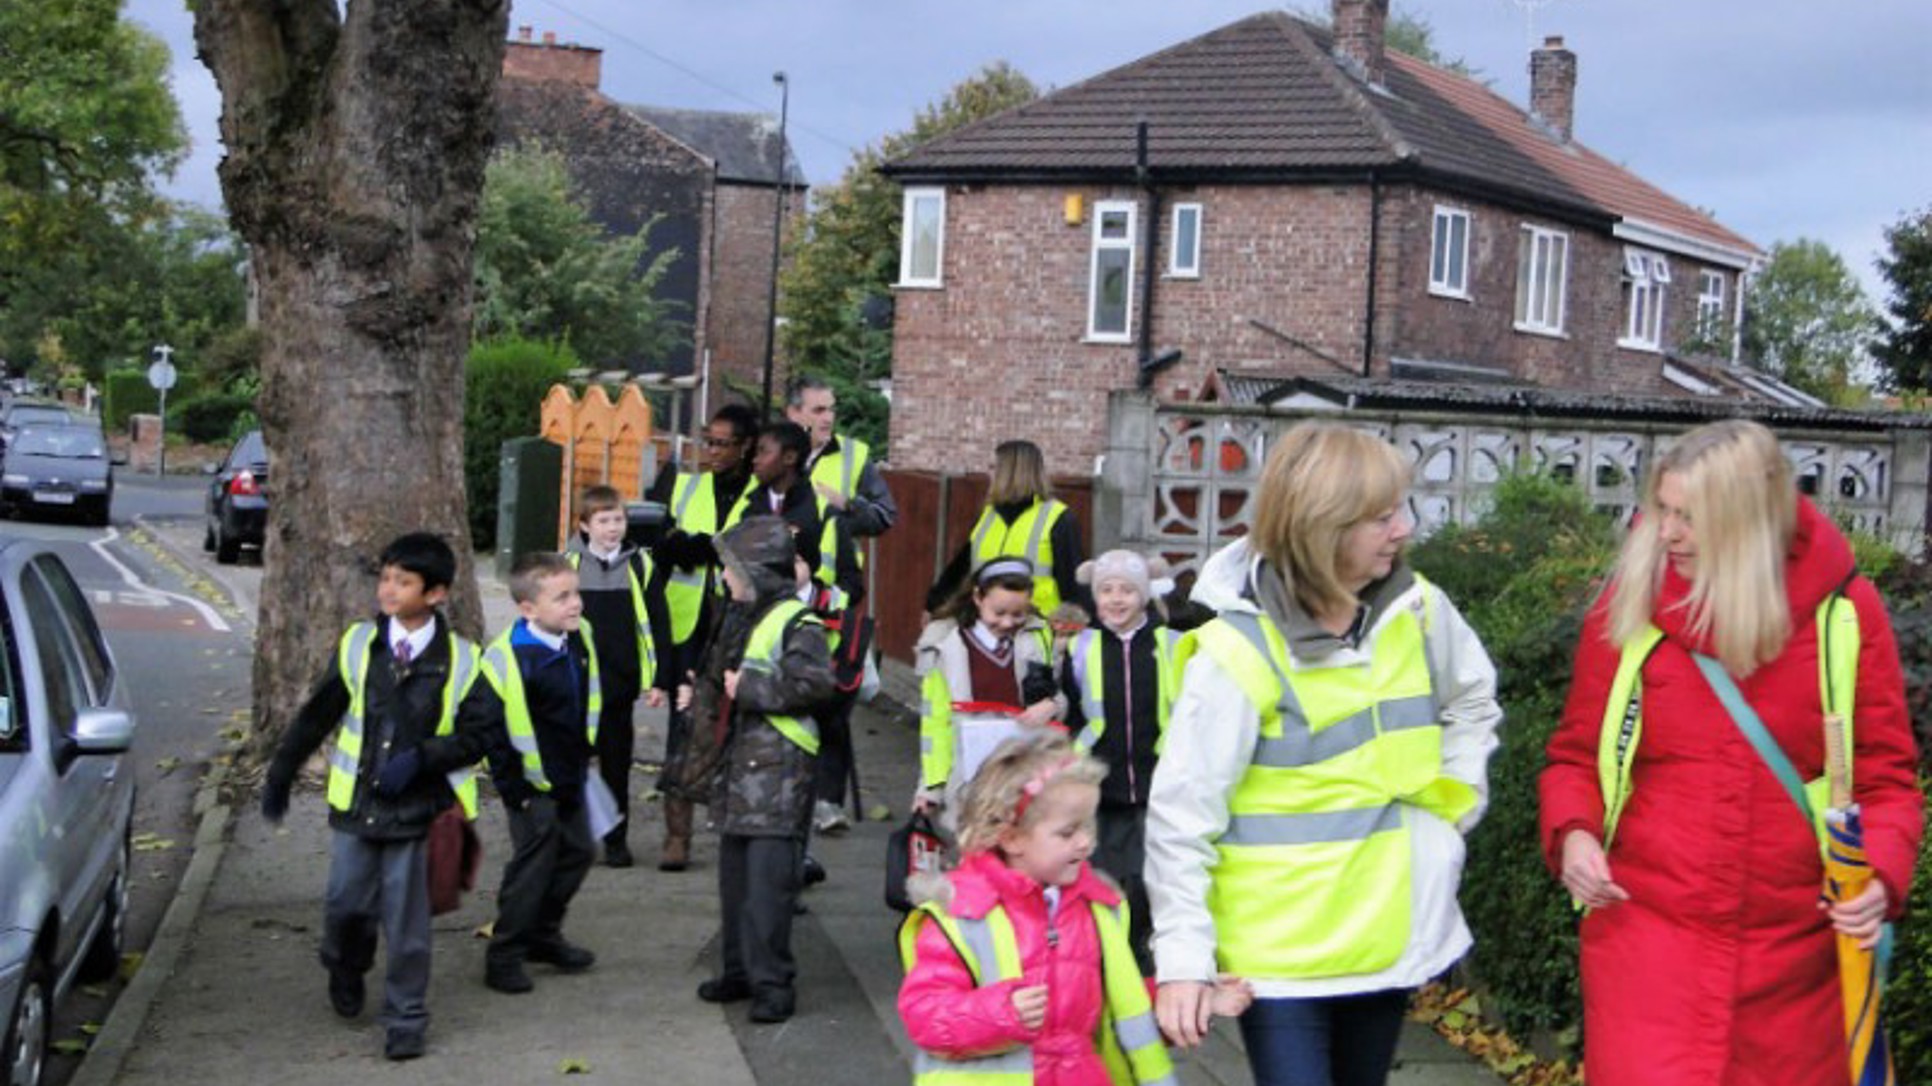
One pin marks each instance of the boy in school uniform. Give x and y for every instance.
(392, 694)
(543, 698)
(624, 607)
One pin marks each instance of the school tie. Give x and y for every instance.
(402, 654)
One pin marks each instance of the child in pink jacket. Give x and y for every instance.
(1005, 955)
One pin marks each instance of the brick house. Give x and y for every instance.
(713, 176)
(1300, 201)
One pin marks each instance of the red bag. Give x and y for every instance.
(913, 849)
(455, 854)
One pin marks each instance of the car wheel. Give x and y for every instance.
(103, 958)
(27, 1026)
(100, 517)
(227, 549)
(208, 538)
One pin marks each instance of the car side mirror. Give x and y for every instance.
(102, 731)
(118, 459)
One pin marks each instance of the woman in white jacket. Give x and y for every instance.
(1325, 756)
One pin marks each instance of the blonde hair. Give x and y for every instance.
(1321, 479)
(1743, 509)
(1019, 474)
(990, 804)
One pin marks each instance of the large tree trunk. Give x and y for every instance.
(356, 145)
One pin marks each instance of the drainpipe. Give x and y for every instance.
(1145, 178)
(1375, 247)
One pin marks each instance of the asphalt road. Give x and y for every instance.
(185, 651)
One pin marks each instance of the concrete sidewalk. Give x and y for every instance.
(246, 1000)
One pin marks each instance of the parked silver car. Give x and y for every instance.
(66, 800)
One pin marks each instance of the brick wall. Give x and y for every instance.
(1000, 351)
(548, 62)
(741, 282)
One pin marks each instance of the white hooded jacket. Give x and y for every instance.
(1210, 741)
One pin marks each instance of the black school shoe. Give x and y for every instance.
(773, 1005)
(403, 1044)
(617, 851)
(568, 957)
(346, 992)
(725, 990)
(510, 979)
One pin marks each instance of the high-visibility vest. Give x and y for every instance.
(1313, 873)
(1128, 1038)
(840, 470)
(936, 715)
(352, 658)
(762, 653)
(694, 509)
(827, 570)
(1088, 676)
(1029, 536)
(1623, 725)
(500, 668)
(638, 573)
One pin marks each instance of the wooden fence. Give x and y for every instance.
(603, 442)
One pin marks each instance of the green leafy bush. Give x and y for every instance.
(504, 388)
(1908, 999)
(210, 419)
(125, 393)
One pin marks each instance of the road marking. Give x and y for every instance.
(207, 613)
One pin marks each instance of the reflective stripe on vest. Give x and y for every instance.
(827, 571)
(1623, 727)
(1314, 869)
(1129, 1039)
(762, 653)
(841, 471)
(500, 668)
(352, 663)
(936, 704)
(694, 510)
(1089, 679)
(994, 538)
(646, 644)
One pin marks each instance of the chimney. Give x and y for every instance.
(1359, 26)
(1553, 87)
(549, 62)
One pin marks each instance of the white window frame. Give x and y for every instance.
(1101, 210)
(1710, 302)
(1542, 280)
(908, 276)
(1646, 277)
(1184, 265)
(1448, 261)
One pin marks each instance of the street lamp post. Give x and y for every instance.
(777, 231)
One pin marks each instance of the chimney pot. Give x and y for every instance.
(1553, 87)
(524, 59)
(523, 33)
(549, 37)
(1359, 29)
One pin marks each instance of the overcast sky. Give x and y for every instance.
(1787, 118)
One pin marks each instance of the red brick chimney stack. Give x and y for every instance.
(1553, 87)
(1359, 28)
(549, 62)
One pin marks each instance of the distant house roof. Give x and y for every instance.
(744, 145)
(1263, 99)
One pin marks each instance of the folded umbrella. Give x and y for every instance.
(1861, 972)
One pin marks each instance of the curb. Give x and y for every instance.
(104, 1058)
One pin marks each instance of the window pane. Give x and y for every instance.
(1110, 291)
(58, 667)
(1187, 225)
(1439, 259)
(1458, 251)
(924, 263)
(1525, 249)
(1113, 225)
(80, 621)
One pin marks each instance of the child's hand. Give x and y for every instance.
(1030, 1003)
(654, 698)
(928, 800)
(1038, 715)
(731, 683)
(685, 691)
(1231, 995)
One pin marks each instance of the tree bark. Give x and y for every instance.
(356, 142)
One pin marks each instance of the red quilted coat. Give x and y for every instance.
(946, 1015)
(1721, 968)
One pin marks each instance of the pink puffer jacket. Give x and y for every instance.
(946, 1015)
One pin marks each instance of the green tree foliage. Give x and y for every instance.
(1806, 321)
(504, 385)
(1905, 349)
(546, 271)
(848, 255)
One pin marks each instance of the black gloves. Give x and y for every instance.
(399, 772)
(1038, 685)
(274, 800)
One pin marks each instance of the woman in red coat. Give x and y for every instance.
(1707, 958)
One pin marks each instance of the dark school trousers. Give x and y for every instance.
(757, 889)
(552, 852)
(381, 885)
(616, 746)
(834, 767)
(1121, 852)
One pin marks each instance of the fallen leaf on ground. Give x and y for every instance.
(573, 1067)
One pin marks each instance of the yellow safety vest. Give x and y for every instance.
(1128, 1038)
(352, 662)
(827, 571)
(1029, 537)
(841, 471)
(1313, 873)
(500, 668)
(646, 644)
(1623, 725)
(762, 653)
(936, 717)
(694, 509)
(1086, 658)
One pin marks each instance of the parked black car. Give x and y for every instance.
(58, 469)
(238, 499)
(19, 414)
